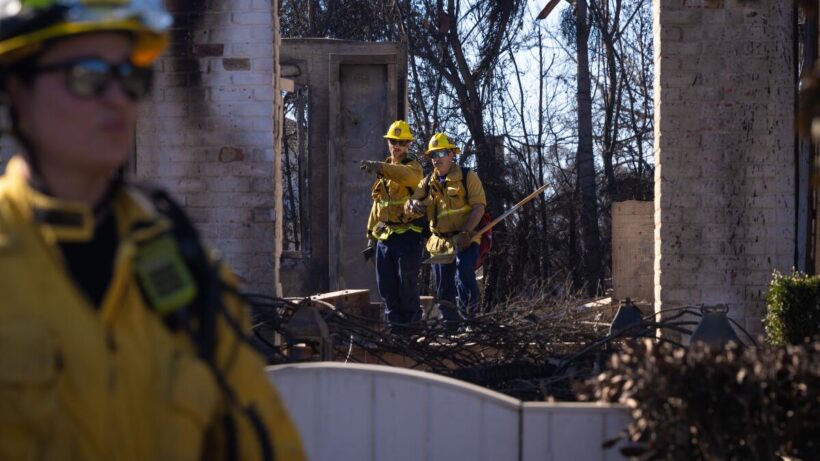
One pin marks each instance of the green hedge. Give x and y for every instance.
(793, 309)
(734, 404)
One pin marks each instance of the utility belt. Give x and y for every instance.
(385, 229)
(445, 235)
(410, 225)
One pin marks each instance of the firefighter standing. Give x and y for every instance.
(454, 207)
(119, 335)
(398, 237)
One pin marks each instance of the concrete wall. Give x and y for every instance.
(724, 152)
(633, 225)
(371, 412)
(207, 134)
(356, 90)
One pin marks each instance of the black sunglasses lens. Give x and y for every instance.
(88, 78)
(137, 81)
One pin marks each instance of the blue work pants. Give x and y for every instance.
(398, 260)
(457, 278)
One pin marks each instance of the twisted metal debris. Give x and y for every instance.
(530, 350)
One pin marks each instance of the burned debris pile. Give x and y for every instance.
(531, 350)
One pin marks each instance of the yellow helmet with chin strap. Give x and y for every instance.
(25, 25)
(440, 141)
(400, 131)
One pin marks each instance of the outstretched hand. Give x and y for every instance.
(370, 166)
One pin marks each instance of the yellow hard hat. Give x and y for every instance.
(440, 141)
(26, 24)
(400, 131)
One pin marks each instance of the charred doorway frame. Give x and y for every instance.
(335, 279)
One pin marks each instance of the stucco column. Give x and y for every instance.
(724, 152)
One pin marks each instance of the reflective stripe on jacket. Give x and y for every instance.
(112, 382)
(449, 206)
(390, 192)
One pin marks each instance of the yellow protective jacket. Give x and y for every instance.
(390, 191)
(449, 206)
(112, 382)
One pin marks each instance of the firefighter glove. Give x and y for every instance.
(413, 208)
(370, 166)
(370, 251)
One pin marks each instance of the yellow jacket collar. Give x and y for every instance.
(453, 174)
(389, 159)
(70, 221)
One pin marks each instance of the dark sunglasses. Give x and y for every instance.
(439, 153)
(396, 142)
(89, 77)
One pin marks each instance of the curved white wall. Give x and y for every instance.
(371, 412)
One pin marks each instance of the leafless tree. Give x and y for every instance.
(586, 122)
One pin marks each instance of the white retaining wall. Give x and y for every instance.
(372, 412)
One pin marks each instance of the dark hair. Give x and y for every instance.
(23, 70)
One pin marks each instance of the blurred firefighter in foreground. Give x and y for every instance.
(454, 205)
(397, 236)
(121, 338)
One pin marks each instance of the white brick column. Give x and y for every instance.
(208, 133)
(724, 152)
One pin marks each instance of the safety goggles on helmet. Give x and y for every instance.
(438, 153)
(89, 77)
(26, 24)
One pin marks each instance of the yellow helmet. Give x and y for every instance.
(400, 131)
(26, 24)
(440, 141)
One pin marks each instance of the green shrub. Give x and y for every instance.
(743, 404)
(793, 309)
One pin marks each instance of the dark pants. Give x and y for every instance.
(457, 278)
(398, 260)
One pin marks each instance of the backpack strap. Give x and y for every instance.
(464, 171)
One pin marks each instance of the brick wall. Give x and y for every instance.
(207, 134)
(725, 193)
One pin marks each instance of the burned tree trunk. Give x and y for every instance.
(585, 162)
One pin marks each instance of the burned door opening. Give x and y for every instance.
(357, 90)
(361, 94)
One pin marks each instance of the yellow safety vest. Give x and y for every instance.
(390, 192)
(112, 382)
(448, 207)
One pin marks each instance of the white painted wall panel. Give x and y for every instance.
(500, 432)
(349, 395)
(400, 420)
(371, 412)
(535, 443)
(455, 425)
(571, 431)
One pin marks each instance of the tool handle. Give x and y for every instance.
(518, 205)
